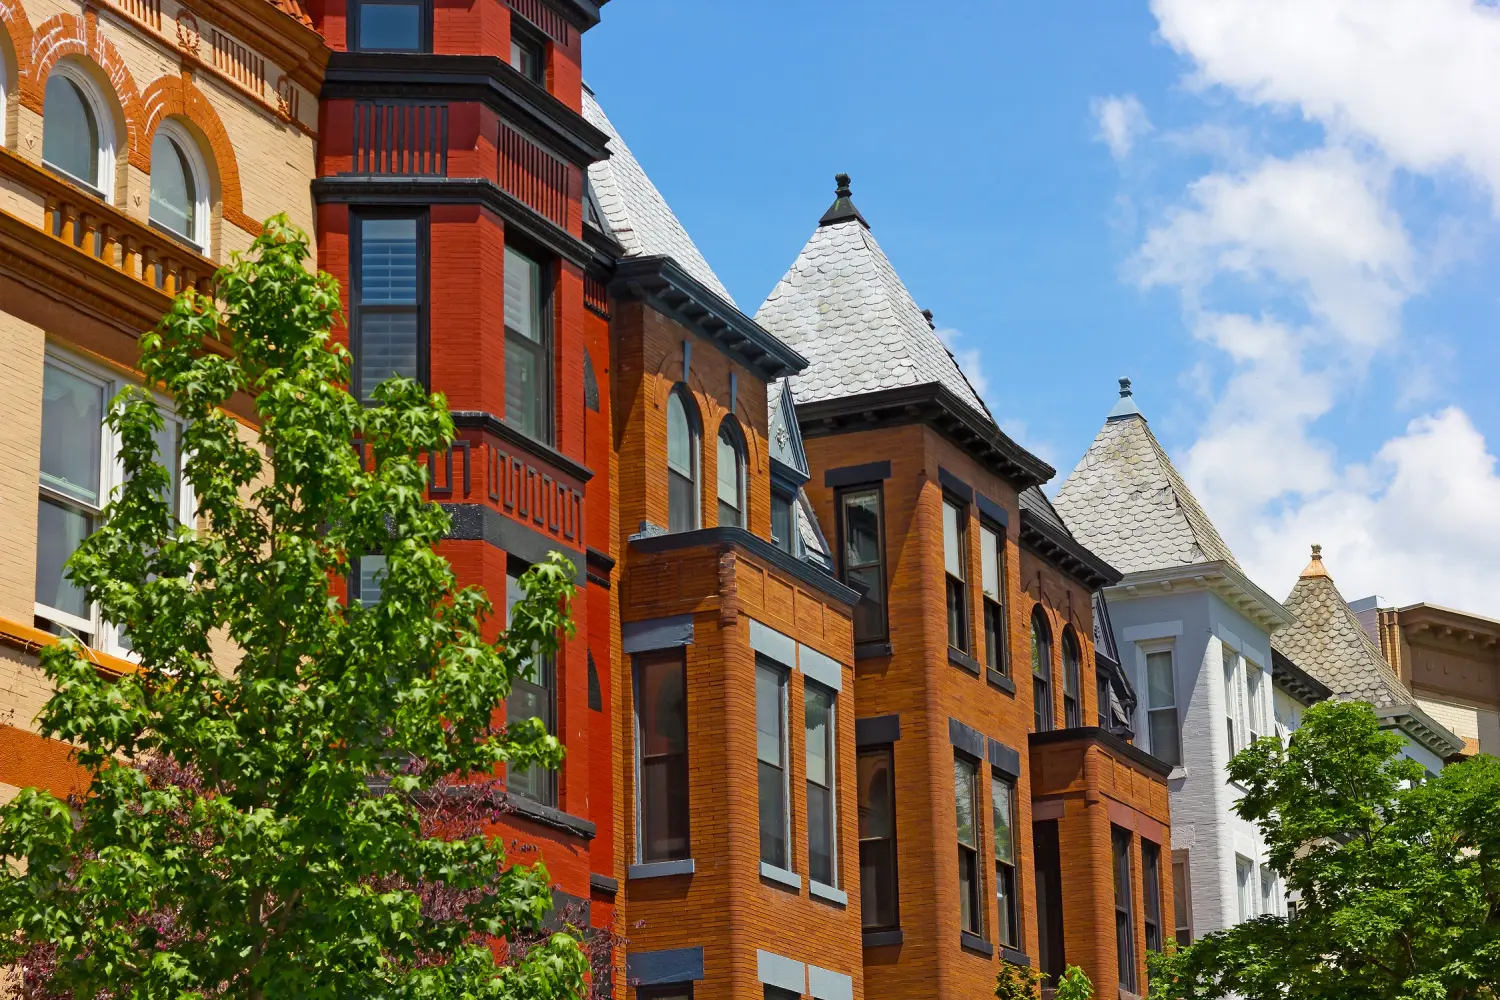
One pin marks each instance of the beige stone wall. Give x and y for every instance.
(23, 689)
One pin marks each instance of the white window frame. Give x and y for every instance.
(104, 120)
(111, 478)
(1246, 886)
(203, 205)
(1272, 900)
(1144, 651)
(1236, 697)
(1257, 680)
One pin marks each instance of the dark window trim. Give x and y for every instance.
(641, 861)
(1012, 781)
(965, 585)
(890, 934)
(1070, 641)
(549, 679)
(980, 899)
(1003, 669)
(878, 487)
(876, 730)
(1120, 839)
(869, 474)
(424, 40)
(357, 216)
(547, 267)
(955, 486)
(1048, 714)
(530, 35)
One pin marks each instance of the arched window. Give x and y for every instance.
(77, 136)
(1072, 680)
(179, 187)
(1041, 670)
(682, 462)
(731, 476)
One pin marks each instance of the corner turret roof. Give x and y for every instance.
(1127, 502)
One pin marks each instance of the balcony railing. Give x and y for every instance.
(81, 220)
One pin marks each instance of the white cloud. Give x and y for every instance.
(1416, 77)
(1121, 120)
(1297, 268)
(969, 360)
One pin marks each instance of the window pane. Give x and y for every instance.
(729, 471)
(1181, 908)
(876, 816)
(72, 434)
(1005, 899)
(1244, 871)
(772, 815)
(523, 295)
(173, 201)
(682, 503)
(390, 27)
(60, 530)
(1004, 812)
(1166, 742)
(663, 707)
(664, 808)
(387, 261)
(963, 801)
(387, 348)
(869, 613)
(989, 562)
(861, 529)
(819, 729)
(371, 576)
(820, 838)
(768, 691)
(781, 523)
(877, 883)
(70, 136)
(525, 375)
(877, 845)
(1160, 686)
(679, 436)
(953, 554)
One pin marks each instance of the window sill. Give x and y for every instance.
(999, 680)
(884, 939)
(660, 869)
(781, 876)
(872, 650)
(959, 658)
(1178, 773)
(549, 816)
(976, 944)
(1015, 957)
(603, 883)
(827, 893)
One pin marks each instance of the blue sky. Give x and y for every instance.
(1276, 216)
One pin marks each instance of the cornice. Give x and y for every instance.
(491, 424)
(422, 190)
(458, 78)
(1105, 739)
(1231, 585)
(1297, 682)
(756, 546)
(286, 40)
(670, 290)
(938, 407)
(1066, 552)
(1420, 726)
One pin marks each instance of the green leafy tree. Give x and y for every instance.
(1074, 985)
(312, 824)
(1398, 874)
(1017, 982)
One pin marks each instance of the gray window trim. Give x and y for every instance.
(656, 633)
(665, 967)
(782, 972)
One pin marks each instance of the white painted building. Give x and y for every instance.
(1194, 635)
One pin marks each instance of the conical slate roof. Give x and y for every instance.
(1328, 641)
(844, 308)
(1127, 502)
(634, 211)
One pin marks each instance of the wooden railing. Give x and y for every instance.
(80, 219)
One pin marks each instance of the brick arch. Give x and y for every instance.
(179, 96)
(15, 25)
(68, 35)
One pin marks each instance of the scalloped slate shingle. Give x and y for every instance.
(634, 210)
(1126, 502)
(844, 308)
(1328, 642)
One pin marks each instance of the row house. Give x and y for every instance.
(998, 820)
(1218, 662)
(140, 142)
(1448, 659)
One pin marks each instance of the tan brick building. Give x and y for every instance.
(139, 143)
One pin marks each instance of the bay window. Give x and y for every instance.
(877, 838)
(532, 696)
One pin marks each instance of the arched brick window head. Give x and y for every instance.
(77, 137)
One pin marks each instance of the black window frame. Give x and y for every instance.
(840, 498)
(887, 847)
(522, 34)
(969, 854)
(1102, 696)
(731, 434)
(677, 656)
(357, 309)
(547, 268)
(780, 499)
(1007, 873)
(956, 589)
(1072, 657)
(1046, 851)
(1151, 894)
(424, 23)
(1043, 717)
(996, 627)
(830, 788)
(548, 683)
(1124, 906)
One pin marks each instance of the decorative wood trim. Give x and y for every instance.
(32, 640)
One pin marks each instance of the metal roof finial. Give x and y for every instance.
(1124, 386)
(842, 191)
(842, 209)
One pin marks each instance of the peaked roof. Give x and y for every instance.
(784, 432)
(633, 210)
(842, 305)
(1127, 502)
(1328, 641)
